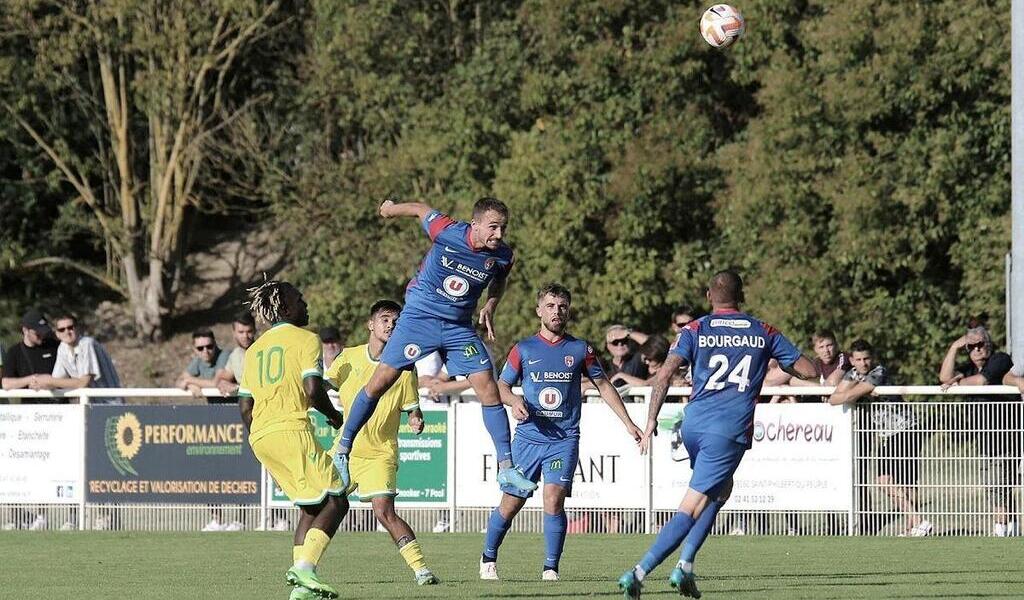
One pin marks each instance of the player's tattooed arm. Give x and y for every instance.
(391, 208)
(804, 368)
(317, 394)
(611, 397)
(662, 381)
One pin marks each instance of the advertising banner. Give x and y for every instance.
(422, 460)
(800, 460)
(610, 472)
(169, 454)
(41, 453)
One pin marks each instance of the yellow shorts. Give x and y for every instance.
(373, 477)
(299, 465)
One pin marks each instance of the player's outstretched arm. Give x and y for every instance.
(390, 209)
(317, 394)
(611, 397)
(662, 381)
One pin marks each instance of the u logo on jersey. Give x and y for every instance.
(550, 398)
(412, 351)
(456, 286)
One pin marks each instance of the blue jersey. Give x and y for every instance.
(453, 275)
(728, 352)
(551, 374)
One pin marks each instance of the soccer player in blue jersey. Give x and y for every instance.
(464, 260)
(728, 353)
(550, 365)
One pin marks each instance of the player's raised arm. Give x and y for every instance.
(390, 209)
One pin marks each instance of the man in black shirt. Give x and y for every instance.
(998, 423)
(35, 354)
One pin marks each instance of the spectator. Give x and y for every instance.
(243, 329)
(81, 362)
(898, 443)
(626, 366)
(35, 355)
(653, 352)
(202, 369)
(832, 363)
(997, 425)
(681, 317)
(332, 343)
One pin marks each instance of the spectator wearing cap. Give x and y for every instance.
(201, 371)
(34, 355)
(243, 330)
(332, 344)
(81, 362)
(997, 424)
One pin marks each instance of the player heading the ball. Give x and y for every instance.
(464, 261)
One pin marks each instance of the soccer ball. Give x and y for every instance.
(721, 25)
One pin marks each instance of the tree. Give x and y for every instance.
(126, 99)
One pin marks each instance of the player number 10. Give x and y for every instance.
(271, 367)
(740, 375)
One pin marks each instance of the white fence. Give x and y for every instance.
(941, 466)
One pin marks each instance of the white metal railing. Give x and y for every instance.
(941, 467)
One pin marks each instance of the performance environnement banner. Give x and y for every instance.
(169, 454)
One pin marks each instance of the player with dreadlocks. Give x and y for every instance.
(282, 379)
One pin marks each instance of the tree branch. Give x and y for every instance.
(87, 270)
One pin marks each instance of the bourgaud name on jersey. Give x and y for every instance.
(730, 341)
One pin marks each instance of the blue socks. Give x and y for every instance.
(554, 539)
(496, 423)
(360, 413)
(668, 540)
(695, 539)
(497, 527)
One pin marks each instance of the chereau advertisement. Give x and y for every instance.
(169, 454)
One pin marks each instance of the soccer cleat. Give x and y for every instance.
(488, 571)
(341, 464)
(685, 582)
(630, 585)
(301, 593)
(515, 478)
(427, 578)
(549, 575)
(307, 578)
(921, 529)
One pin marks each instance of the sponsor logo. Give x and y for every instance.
(449, 249)
(123, 441)
(550, 398)
(454, 265)
(551, 376)
(412, 351)
(782, 431)
(483, 361)
(432, 216)
(489, 264)
(533, 362)
(455, 286)
(556, 465)
(569, 361)
(470, 351)
(733, 323)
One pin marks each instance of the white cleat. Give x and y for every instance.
(549, 575)
(488, 571)
(921, 529)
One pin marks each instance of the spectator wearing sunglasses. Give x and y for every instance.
(201, 371)
(681, 317)
(998, 441)
(626, 366)
(81, 362)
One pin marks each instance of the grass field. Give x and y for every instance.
(249, 566)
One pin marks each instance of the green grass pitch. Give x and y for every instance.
(250, 566)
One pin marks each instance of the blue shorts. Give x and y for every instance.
(555, 459)
(713, 459)
(417, 335)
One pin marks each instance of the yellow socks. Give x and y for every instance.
(312, 549)
(413, 556)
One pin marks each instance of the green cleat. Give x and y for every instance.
(427, 578)
(307, 578)
(301, 593)
(685, 582)
(630, 585)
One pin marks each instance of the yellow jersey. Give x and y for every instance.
(276, 365)
(349, 372)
